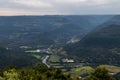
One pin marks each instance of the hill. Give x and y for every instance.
(12, 58)
(34, 31)
(101, 46)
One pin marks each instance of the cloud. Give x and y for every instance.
(60, 6)
(86, 2)
(70, 1)
(24, 12)
(12, 12)
(88, 6)
(32, 3)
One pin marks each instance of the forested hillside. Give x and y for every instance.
(33, 31)
(101, 46)
(12, 58)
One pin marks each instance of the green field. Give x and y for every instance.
(54, 58)
(38, 56)
(30, 51)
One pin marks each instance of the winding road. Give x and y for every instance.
(44, 61)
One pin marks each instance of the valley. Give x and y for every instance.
(75, 44)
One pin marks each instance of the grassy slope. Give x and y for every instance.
(110, 68)
(82, 70)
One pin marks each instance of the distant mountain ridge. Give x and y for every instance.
(46, 30)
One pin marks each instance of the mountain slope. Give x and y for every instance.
(101, 46)
(11, 58)
(45, 30)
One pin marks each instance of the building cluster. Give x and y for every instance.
(68, 60)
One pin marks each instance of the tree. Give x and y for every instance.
(100, 73)
(11, 74)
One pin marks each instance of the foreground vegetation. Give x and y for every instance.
(41, 72)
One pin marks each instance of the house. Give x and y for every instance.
(68, 60)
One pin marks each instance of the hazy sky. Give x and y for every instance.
(60, 7)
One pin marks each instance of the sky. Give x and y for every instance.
(59, 7)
